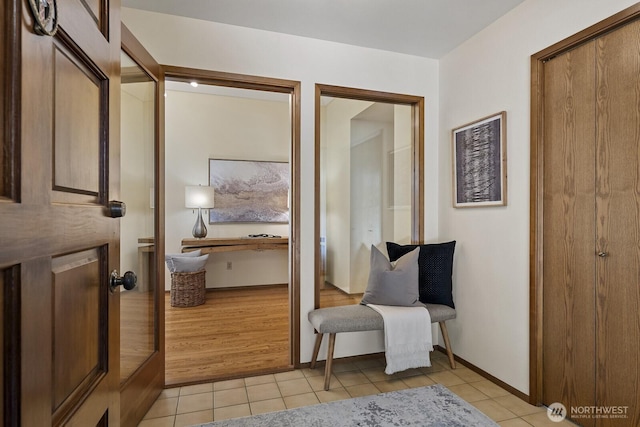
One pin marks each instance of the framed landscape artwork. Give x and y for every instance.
(249, 191)
(480, 163)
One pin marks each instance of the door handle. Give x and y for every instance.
(603, 254)
(116, 209)
(127, 281)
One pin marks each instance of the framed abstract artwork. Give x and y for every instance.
(249, 191)
(480, 163)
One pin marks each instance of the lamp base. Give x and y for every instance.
(199, 229)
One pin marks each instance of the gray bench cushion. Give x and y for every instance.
(357, 317)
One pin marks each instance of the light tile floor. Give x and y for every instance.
(184, 406)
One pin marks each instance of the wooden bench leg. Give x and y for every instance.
(445, 335)
(316, 349)
(327, 368)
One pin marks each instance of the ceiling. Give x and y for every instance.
(428, 28)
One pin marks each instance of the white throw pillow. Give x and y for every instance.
(189, 264)
(170, 257)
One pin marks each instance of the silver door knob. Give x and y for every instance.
(602, 254)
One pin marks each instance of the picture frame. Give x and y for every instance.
(480, 162)
(248, 191)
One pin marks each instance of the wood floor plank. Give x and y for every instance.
(237, 332)
(331, 296)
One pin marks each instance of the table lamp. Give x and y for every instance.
(201, 197)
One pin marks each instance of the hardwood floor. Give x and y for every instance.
(238, 332)
(331, 296)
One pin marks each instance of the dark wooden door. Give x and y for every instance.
(59, 245)
(591, 263)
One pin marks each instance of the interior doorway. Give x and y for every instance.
(215, 119)
(369, 167)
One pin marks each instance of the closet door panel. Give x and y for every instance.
(569, 229)
(618, 222)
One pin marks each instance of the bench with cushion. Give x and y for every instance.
(355, 318)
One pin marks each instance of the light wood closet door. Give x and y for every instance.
(569, 229)
(591, 263)
(618, 222)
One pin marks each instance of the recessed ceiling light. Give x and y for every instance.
(194, 84)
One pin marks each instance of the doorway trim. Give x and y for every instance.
(141, 389)
(417, 161)
(536, 254)
(291, 87)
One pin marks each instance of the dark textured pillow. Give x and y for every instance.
(393, 285)
(436, 266)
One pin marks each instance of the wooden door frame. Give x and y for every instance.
(417, 161)
(293, 88)
(142, 388)
(536, 254)
(10, 94)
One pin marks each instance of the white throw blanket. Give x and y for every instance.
(407, 336)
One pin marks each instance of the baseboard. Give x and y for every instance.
(266, 286)
(458, 359)
(348, 359)
(331, 285)
(230, 288)
(485, 374)
(253, 373)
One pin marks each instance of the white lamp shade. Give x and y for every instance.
(198, 196)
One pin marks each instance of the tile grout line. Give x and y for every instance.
(341, 388)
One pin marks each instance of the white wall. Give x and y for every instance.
(200, 44)
(336, 139)
(136, 160)
(200, 127)
(402, 121)
(487, 74)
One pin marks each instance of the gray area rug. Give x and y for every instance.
(425, 406)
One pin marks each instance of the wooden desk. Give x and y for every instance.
(222, 244)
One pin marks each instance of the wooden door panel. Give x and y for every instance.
(78, 328)
(78, 141)
(89, 34)
(97, 8)
(2, 340)
(59, 320)
(618, 219)
(568, 275)
(94, 411)
(34, 287)
(5, 30)
(9, 331)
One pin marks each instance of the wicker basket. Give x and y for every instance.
(187, 289)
